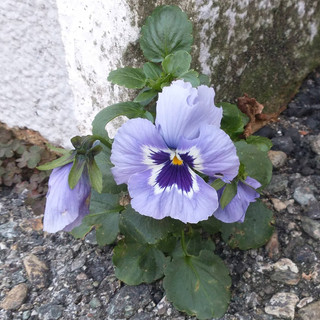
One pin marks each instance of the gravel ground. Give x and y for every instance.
(45, 276)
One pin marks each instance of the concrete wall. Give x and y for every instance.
(34, 82)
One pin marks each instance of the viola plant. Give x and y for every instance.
(175, 178)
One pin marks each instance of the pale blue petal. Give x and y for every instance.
(236, 210)
(182, 110)
(213, 152)
(84, 210)
(253, 183)
(64, 205)
(158, 203)
(129, 148)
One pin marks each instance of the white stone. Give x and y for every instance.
(286, 264)
(303, 302)
(278, 204)
(282, 305)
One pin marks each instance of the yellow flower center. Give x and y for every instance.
(177, 161)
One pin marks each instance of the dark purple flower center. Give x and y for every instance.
(175, 170)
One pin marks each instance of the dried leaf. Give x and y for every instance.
(253, 109)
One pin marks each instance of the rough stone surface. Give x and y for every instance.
(311, 227)
(315, 144)
(15, 297)
(37, 271)
(282, 305)
(311, 311)
(313, 210)
(278, 183)
(278, 158)
(303, 302)
(57, 54)
(50, 312)
(284, 271)
(304, 195)
(283, 143)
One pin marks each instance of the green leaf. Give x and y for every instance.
(218, 184)
(233, 120)
(254, 232)
(104, 216)
(77, 141)
(204, 79)
(152, 71)
(76, 171)
(228, 194)
(194, 244)
(148, 115)
(198, 285)
(145, 97)
(136, 262)
(30, 158)
(192, 77)
(81, 231)
(262, 143)
(132, 78)
(212, 225)
(104, 164)
(177, 63)
(167, 244)
(57, 150)
(166, 31)
(142, 229)
(128, 109)
(7, 149)
(95, 176)
(256, 162)
(65, 159)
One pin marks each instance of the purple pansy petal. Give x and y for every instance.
(206, 98)
(213, 153)
(236, 210)
(133, 140)
(253, 183)
(196, 205)
(182, 110)
(64, 205)
(82, 213)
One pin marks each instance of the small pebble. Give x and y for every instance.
(304, 195)
(303, 302)
(278, 158)
(95, 303)
(315, 144)
(311, 311)
(282, 305)
(278, 205)
(15, 297)
(312, 227)
(37, 271)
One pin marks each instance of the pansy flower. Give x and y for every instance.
(236, 209)
(65, 207)
(160, 163)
